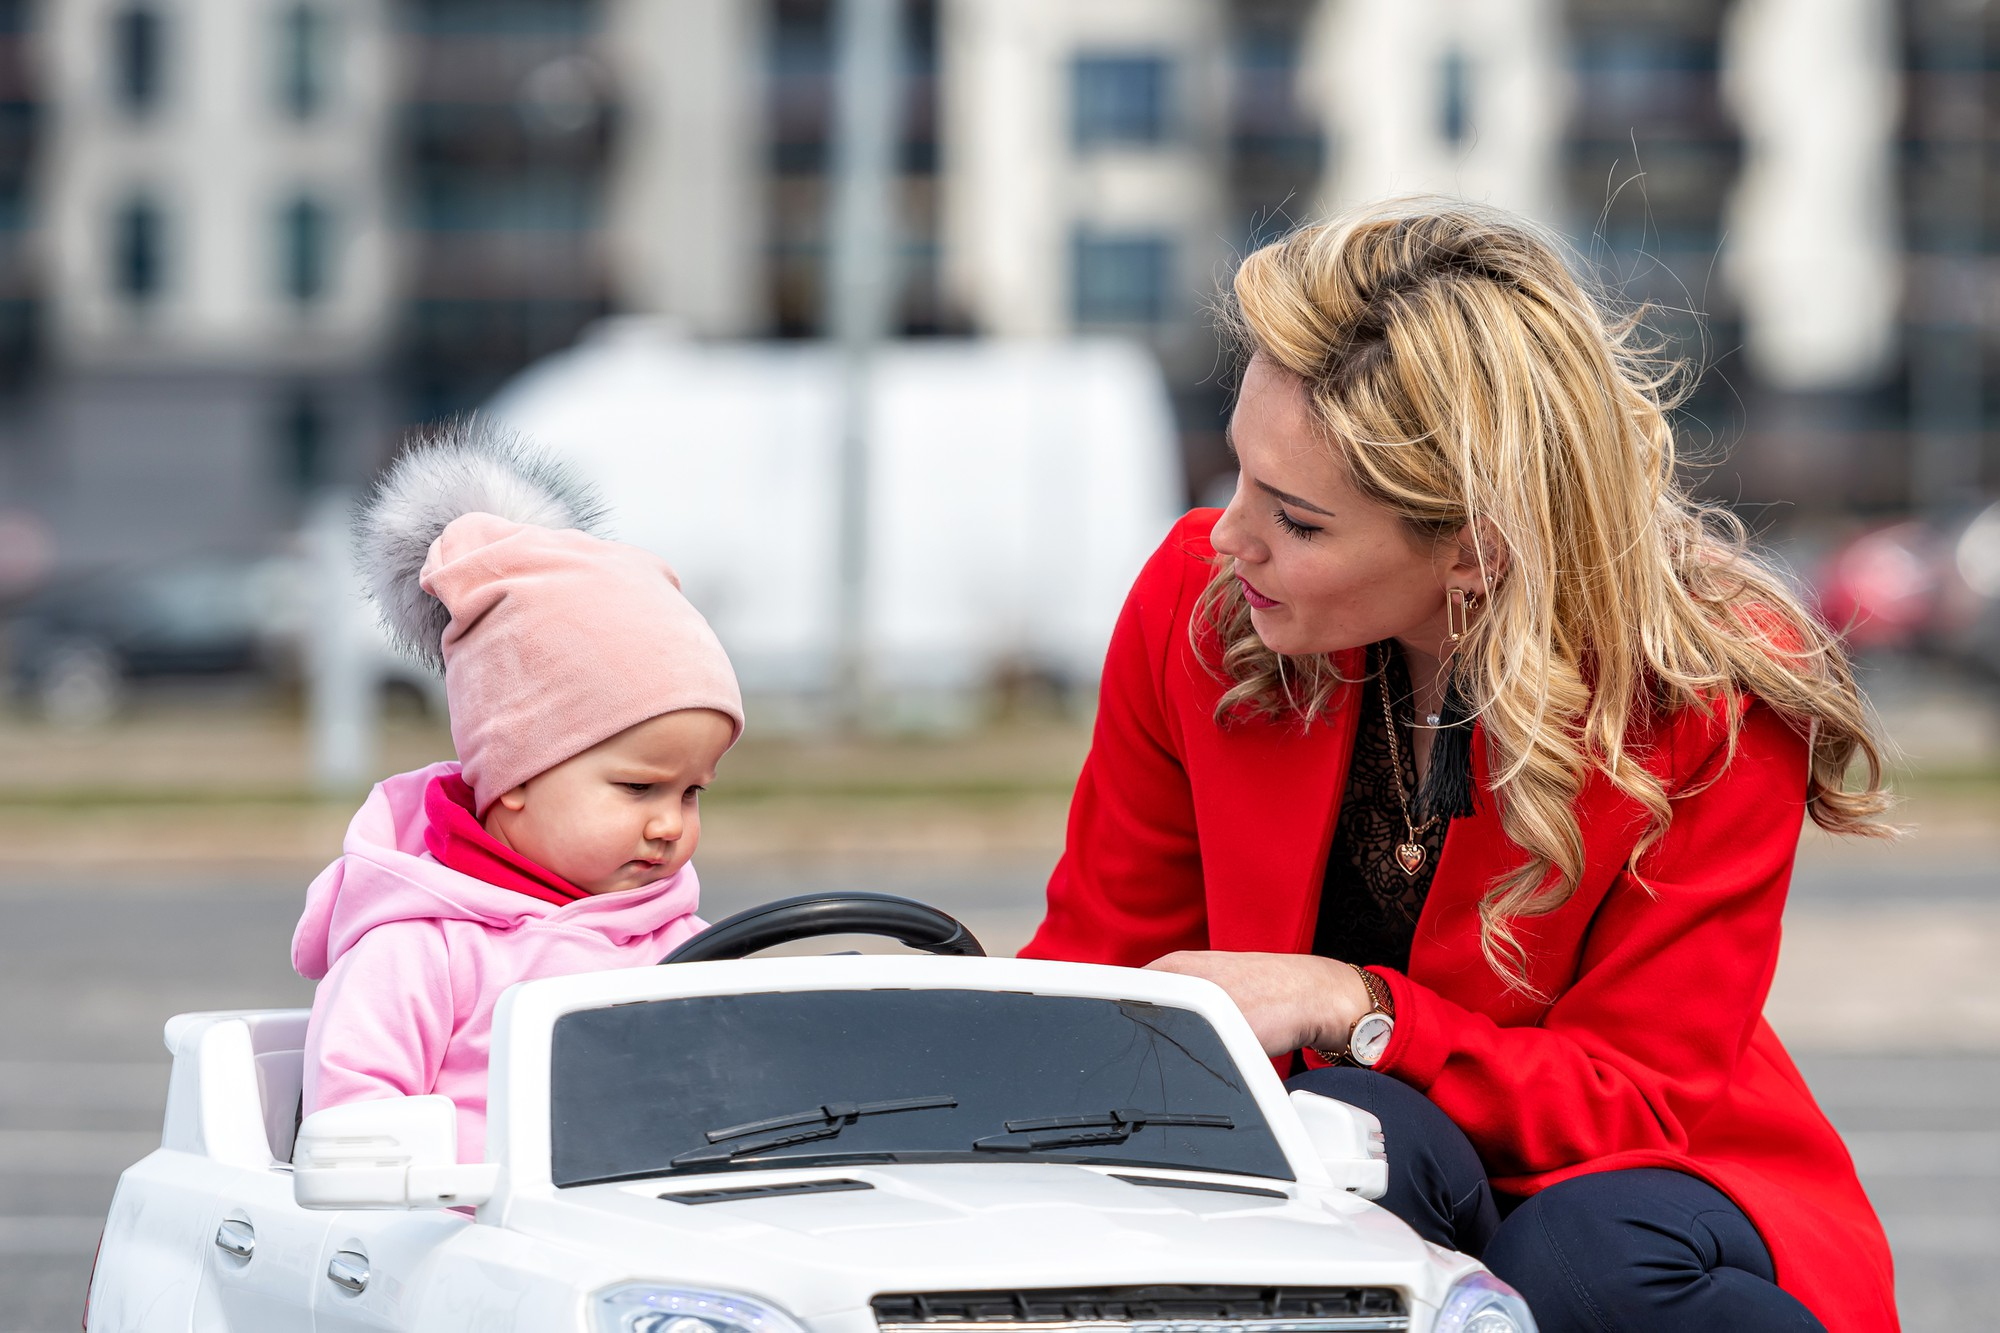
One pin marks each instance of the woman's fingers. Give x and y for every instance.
(1289, 1000)
(1182, 961)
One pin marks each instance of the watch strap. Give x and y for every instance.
(1379, 993)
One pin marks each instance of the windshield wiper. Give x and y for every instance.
(1111, 1127)
(826, 1121)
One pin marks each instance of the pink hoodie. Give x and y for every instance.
(411, 955)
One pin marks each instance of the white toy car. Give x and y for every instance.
(847, 1144)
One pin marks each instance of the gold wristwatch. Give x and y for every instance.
(1369, 1036)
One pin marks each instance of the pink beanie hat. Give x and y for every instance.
(551, 639)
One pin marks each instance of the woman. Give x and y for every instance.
(1470, 757)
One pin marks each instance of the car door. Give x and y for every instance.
(372, 1265)
(259, 1256)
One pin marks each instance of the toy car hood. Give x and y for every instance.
(850, 1234)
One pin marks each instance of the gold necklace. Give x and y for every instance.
(1410, 855)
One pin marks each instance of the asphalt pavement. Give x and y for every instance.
(89, 972)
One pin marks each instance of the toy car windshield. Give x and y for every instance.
(733, 1082)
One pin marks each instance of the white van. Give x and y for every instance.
(1014, 490)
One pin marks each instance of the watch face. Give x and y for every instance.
(1371, 1037)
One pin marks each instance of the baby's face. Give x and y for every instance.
(624, 812)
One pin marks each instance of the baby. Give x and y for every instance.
(590, 704)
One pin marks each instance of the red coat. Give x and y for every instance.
(1654, 1052)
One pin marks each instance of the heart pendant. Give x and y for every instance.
(1410, 856)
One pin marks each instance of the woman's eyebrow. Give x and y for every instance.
(1273, 491)
(1229, 442)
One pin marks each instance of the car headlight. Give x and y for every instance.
(1477, 1303)
(642, 1307)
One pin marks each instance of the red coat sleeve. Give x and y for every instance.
(1668, 991)
(1129, 886)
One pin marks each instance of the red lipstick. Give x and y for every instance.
(1257, 599)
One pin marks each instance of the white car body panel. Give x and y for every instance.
(535, 1254)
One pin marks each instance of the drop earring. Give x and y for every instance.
(1458, 608)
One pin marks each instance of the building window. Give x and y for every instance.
(304, 59)
(1119, 100)
(15, 205)
(137, 37)
(547, 17)
(1454, 98)
(303, 456)
(139, 251)
(1121, 279)
(303, 228)
(559, 197)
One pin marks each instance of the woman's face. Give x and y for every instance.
(1324, 567)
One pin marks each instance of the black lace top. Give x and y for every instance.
(1368, 906)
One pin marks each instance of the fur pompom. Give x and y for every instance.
(464, 466)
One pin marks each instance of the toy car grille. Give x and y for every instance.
(1165, 1309)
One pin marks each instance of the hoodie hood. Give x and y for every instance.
(384, 874)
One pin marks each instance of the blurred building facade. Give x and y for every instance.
(215, 261)
(244, 242)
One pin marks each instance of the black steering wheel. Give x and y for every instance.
(811, 914)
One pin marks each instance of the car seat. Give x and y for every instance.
(221, 1061)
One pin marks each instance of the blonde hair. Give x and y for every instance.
(1463, 375)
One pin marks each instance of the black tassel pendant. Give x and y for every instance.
(1448, 788)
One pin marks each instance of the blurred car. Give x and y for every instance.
(1926, 586)
(78, 646)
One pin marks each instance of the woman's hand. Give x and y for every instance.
(1290, 999)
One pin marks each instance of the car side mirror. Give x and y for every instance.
(1348, 1141)
(396, 1152)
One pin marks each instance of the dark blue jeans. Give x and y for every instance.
(1648, 1251)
